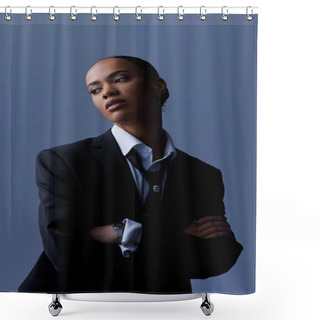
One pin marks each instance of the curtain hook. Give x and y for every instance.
(203, 15)
(51, 15)
(93, 17)
(28, 14)
(73, 15)
(6, 14)
(180, 15)
(138, 16)
(249, 16)
(160, 16)
(224, 13)
(116, 16)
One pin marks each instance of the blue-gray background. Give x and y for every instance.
(210, 70)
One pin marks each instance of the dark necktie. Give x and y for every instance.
(154, 178)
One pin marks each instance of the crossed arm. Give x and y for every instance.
(208, 227)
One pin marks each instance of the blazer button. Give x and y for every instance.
(156, 188)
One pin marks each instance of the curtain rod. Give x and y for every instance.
(128, 9)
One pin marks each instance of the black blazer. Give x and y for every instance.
(89, 183)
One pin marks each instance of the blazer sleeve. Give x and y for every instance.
(58, 219)
(210, 257)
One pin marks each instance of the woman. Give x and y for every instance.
(127, 211)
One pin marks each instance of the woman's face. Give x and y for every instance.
(120, 92)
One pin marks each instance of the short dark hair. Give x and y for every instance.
(149, 72)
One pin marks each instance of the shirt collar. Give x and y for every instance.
(127, 141)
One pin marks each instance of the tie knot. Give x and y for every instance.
(154, 178)
(135, 159)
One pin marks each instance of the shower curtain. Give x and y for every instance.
(90, 110)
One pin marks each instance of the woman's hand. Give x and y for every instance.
(209, 227)
(105, 234)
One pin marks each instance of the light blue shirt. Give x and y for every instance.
(127, 141)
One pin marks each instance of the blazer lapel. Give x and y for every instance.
(119, 193)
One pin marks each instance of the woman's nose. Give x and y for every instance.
(109, 90)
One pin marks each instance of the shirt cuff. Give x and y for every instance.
(131, 237)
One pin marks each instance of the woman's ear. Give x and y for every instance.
(160, 86)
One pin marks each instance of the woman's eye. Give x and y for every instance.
(95, 91)
(121, 79)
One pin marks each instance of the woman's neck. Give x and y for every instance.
(150, 133)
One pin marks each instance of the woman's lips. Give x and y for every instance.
(114, 104)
